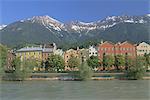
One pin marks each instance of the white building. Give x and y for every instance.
(92, 51)
(143, 48)
(59, 52)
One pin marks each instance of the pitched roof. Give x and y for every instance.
(27, 49)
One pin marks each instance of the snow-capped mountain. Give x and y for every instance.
(113, 20)
(79, 27)
(48, 22)
(108, 22)
(2, 26)
(47, 29)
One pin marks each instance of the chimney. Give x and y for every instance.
(102, 41)
(40, 46)
(77, 48)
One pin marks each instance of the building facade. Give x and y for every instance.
(27, 53)
(40, 53)
(83, 54)
(47, 50)
(109, 48)
(92, 51)
(59, 52)
(68, 54)
(143, 48)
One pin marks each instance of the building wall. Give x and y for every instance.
(127, 48)
(143, 48)
(45, 55)
(92, 51)
(83, 54)
(109, 48)
(59, 52)
(68, 54)
(30, 55)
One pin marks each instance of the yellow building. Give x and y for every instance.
(30, 53)
(68, 54)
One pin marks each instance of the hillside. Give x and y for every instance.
(44, 29)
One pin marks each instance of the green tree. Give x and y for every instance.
(56, 62)
(147, 60)
(18, 73)
(21, 70)
(85, 72)
(73, 62)
(136, 69)
(93, 62)
(109, 61)
(3, 56)
(104, 62)
(119, 61)
(128, 61)
(28, 65)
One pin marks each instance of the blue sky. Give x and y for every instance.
(67, 10)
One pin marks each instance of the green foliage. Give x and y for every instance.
(93, 62)
(108, 61)
(136, 69)
(85, 72)
(119, 61)
(73, 62)
(3, 56)
(56, 62)
(18, 73)
(21, 70)
(28, 66)
(147, 60)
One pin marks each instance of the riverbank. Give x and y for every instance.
(67, 77)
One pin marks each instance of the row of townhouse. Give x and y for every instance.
(41, 53)
(124, 48)
(109, 48)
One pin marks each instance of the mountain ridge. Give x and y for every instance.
(47, 29)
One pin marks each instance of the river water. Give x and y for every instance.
(76, 90)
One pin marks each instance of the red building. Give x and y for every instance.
(109, 48)
(105, 48)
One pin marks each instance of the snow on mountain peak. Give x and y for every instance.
(2, 26)
(79, 26)
(48, 22)
(111, 18)
(148, 15)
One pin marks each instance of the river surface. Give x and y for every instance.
(76, 90)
